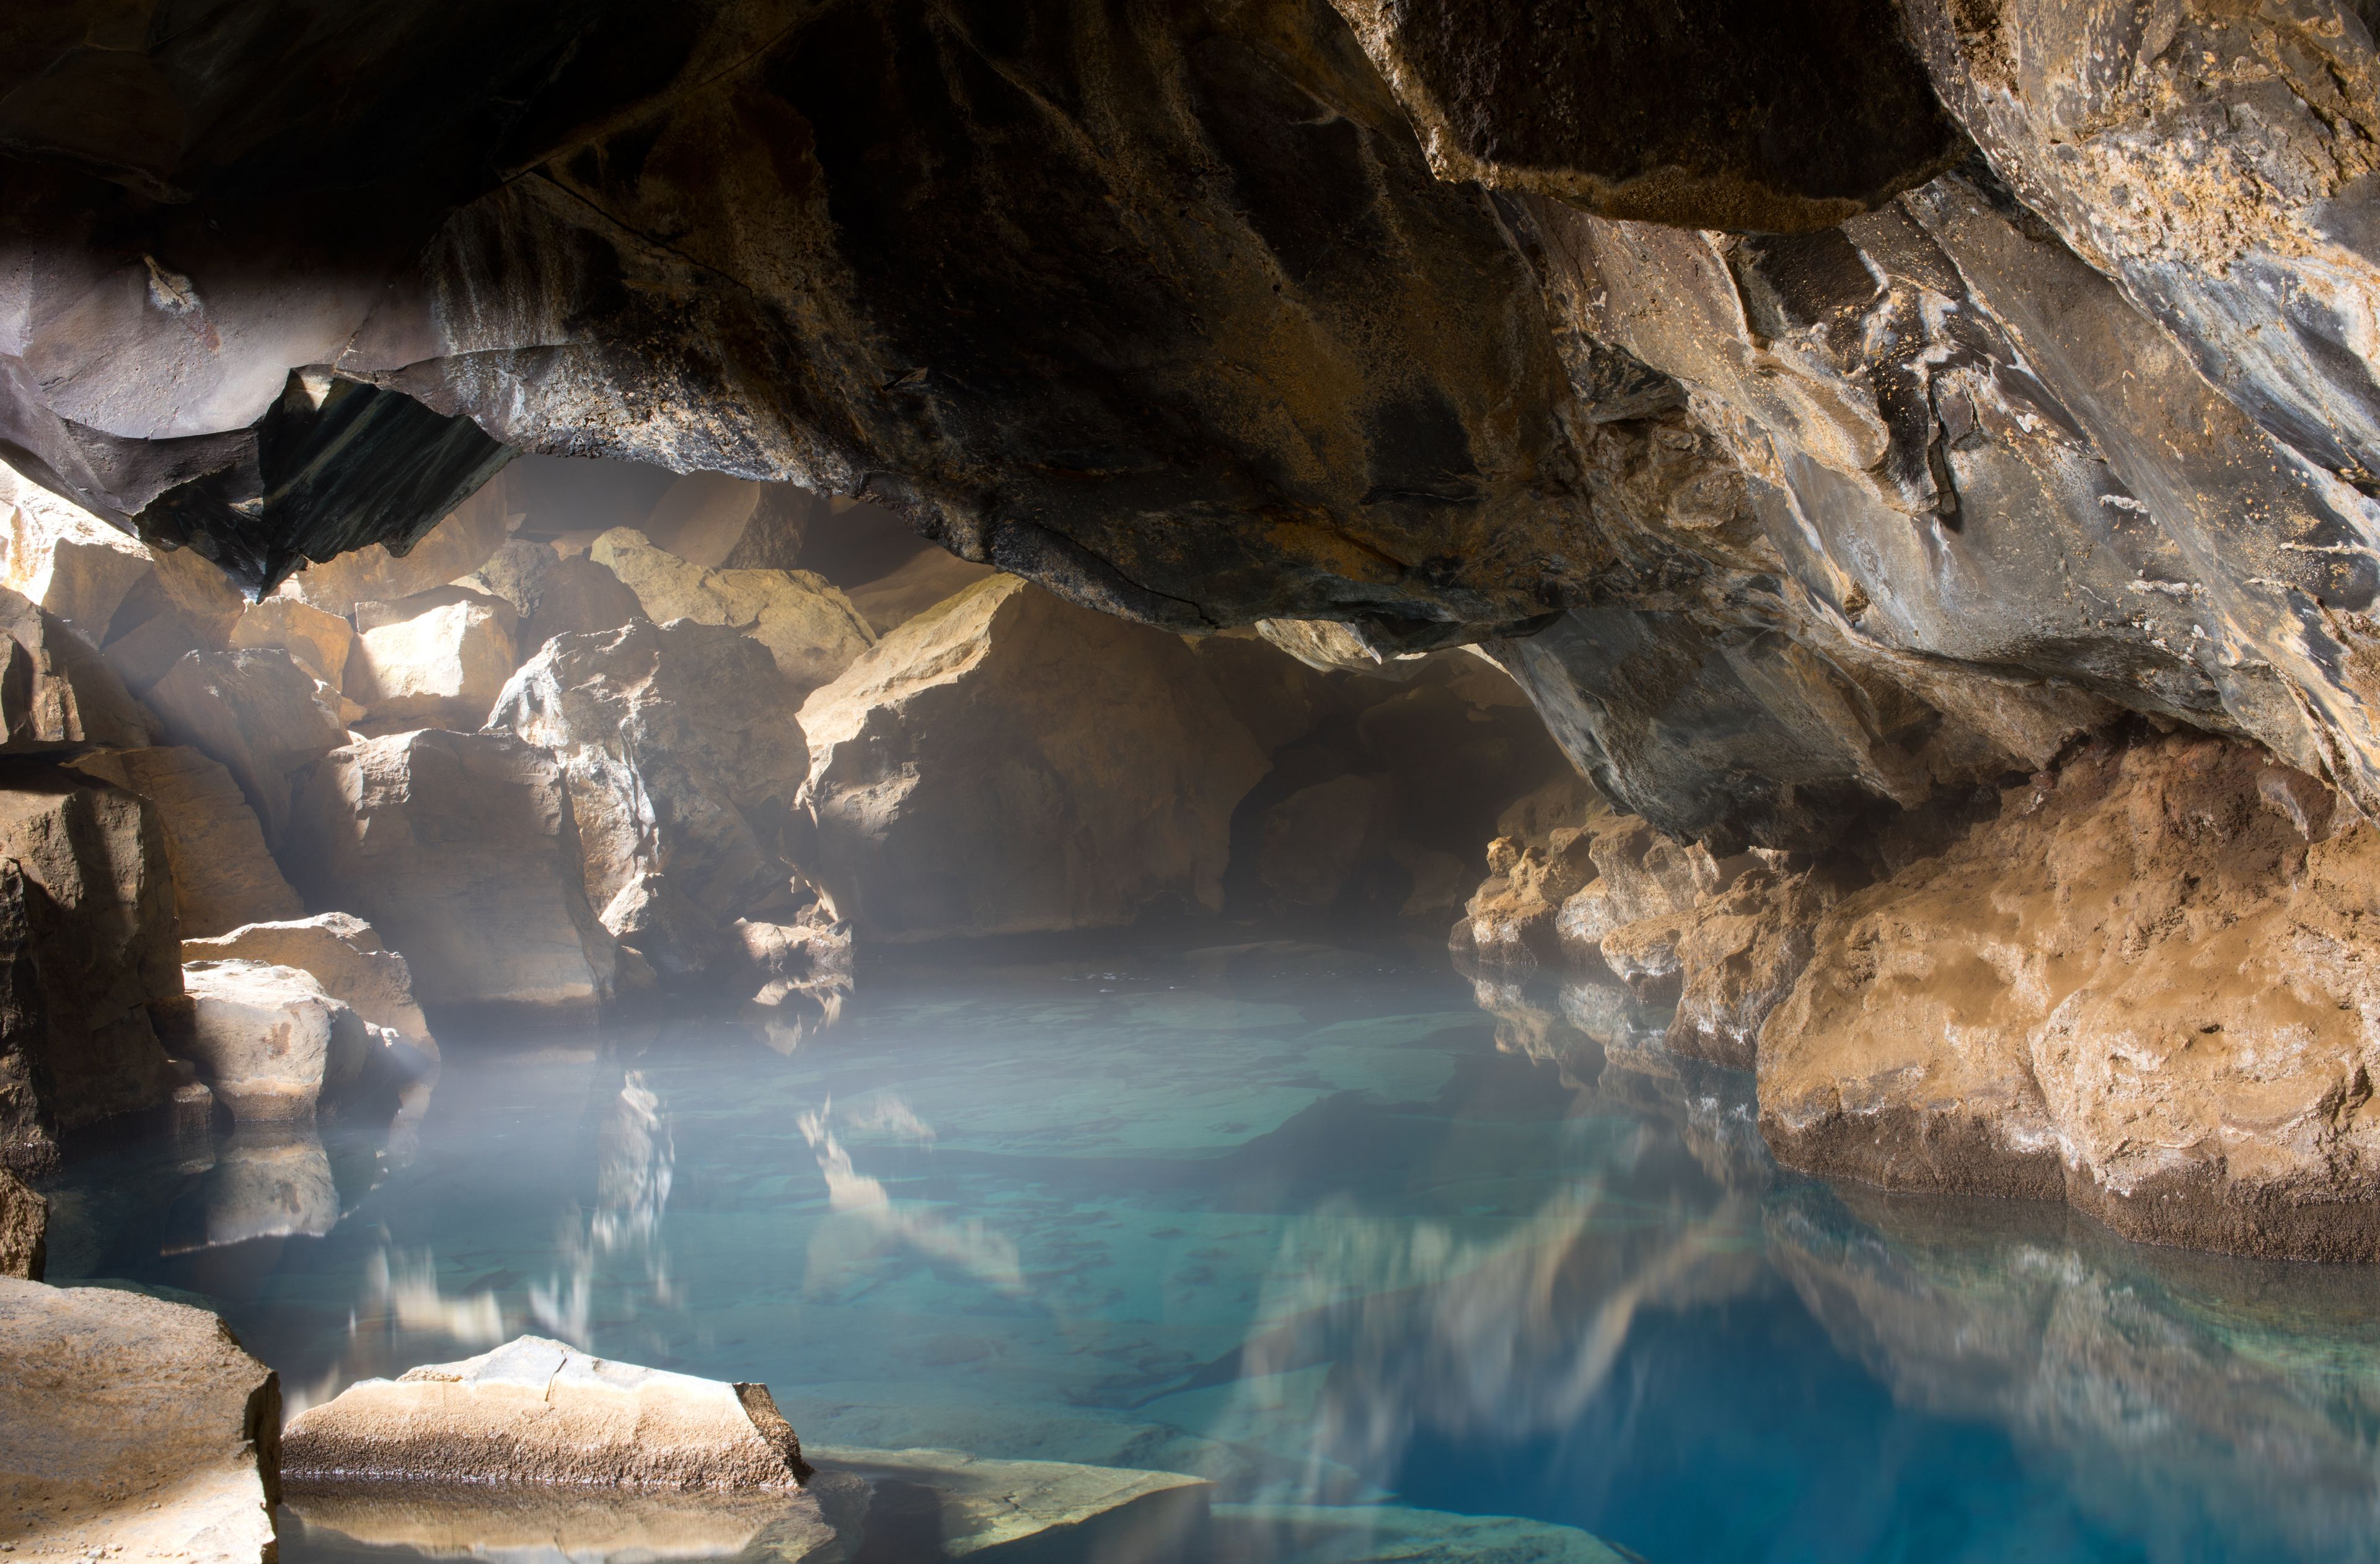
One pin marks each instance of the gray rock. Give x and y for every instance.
(269, 1042)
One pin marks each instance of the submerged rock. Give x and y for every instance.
(535, 1411)
(462, 851)
(223, 875)
(24, 1228)
(2140, 988)
(132, 1427)
(1009, 762)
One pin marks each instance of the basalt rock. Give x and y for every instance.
(1512, 920)
(317, 641)
(24, 1228)
(436, 660)
(1009, 762)
(55, 693)
(259, 714)
(269, 1042)
(2140, 988)
(223, 875)
(812, 629)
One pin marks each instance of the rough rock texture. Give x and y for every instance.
(1707, 115)
(1007, 762)
(683, 756)
(1512, 920)
(24, 1228)
(224, 876)
(927, 578)
(66, 558)
(257, 712)
(132, 1425)
(28, 1126)
(535, 1411)
(461, 850)
(100, 931)
(812, 629)
(423, 662)
(55, 693)
(342, 953)
(269, 1042)
(316, 641)
(2139, 988)
(1739, 956)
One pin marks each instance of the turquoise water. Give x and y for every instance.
(1332, 1228)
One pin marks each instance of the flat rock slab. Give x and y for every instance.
(133, 1424)
(536, 1411)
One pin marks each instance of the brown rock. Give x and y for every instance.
(269, 1042)
(1315, 838)
(1007, 762)
(2139, 987)
(1510, 922)
(812, 629)
(257, 712)
(55, 693)
(580, 597)
(66, 558)
(135, 1421)
(224, 876)
(27, 1128)
(434, 660)
(316, 641)
(24, 1228)
(1738, 957)
(462, 851)
(458, 545)
(926, 577)
(535, 1411)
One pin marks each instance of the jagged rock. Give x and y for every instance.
(461, 850)
(812, 954)
(436, 660)
(1510, 922)
(133, 1427)
(316, 641)
(1643, 880)
(66, 558)
(1335, 649)
(342, 953)
(24, 1228)
(1705, 115)
(1315, 838)
(535, 1411)
(808, 625)
(258, 713)
(55, 693)
(2139, 987)
(683, 756)
(517, 574)
(463, 539)
(224, 876)
(28, 1127)
(675, 938)
(99, 915)
(1739, 956)
(703, 517)
(271, 1043)
(1007, 762)
(928, 577)
(554, 594)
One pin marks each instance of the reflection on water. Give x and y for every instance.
(1384, 1255)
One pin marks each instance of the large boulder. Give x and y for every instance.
(682, 755)
(535, 1411)
(224, 876)
(55, 693)
(812, 629)
(132, 1428)
(316, 641)
(256, 711)
(462, 850)
(2139, 988)
(460, 544)
(435, 659)
(1009, 762)
(341, 953)
(269, 1042)
(66, 558)
(100, 930)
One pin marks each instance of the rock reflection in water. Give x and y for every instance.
(267, 1181)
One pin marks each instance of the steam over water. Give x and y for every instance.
(1329, 1227)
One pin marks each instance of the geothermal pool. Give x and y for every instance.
(1332, 1228)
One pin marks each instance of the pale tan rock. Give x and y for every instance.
(703, 515)
(343, 952)
(436, 661)
(985, 1504)
(100, 915)
(24, 1228)
(2139, 987)
(317, 641)
(812, 629)
(683, 754)
(535, 1411)
(1738, 957)
(541, 1520)
(448, 552)
(670, 933)
(132, 1424)
(55, 693)
(1007, 762)
(257, 712)
(1314, 840)
(66, 558)
(1510, 921)
(223, 875)
(269, 1042)
(923, 580)
(1330, 647)
(516, 572)
(462, 851)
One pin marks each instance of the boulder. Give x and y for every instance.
(517, 573)
(257, 712)
(28, 1127)
(580, 597)
(224, 876)
(435, 659)
(921, 581)
(462, 851)
(457, 545)
(1007, 762)
(269, 1042)
(2139, 988)
(99, 915)
(342, 953)
(675, 938)
(132, 1427)
(316, 641)
(66, 558)
(812, 629)
(24, 1228)
(1315, 838)
(55, 693)
(703, 517)
(683, 756)
(535, 1411)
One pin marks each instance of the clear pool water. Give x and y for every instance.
(1329, 1227)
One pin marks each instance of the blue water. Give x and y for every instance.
(1330, 1227)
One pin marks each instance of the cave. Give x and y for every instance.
(1283, 781)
